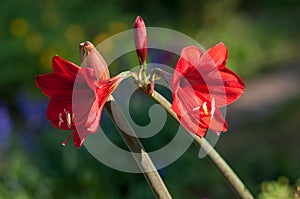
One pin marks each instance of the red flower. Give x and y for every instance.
(140, 39)
(77, 96)
(201, 84)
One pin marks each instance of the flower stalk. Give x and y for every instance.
(143, 73)
(140, 155)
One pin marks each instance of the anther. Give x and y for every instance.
(60, 120)
(68, 118)
(204, 106)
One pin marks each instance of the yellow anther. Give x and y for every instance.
(204, 106)
(68, 118)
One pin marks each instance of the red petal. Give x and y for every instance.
(176, 106)
(188, 60)
(60, 65)
(53, 83)
(78, 140)
(234, 85)
(93, 120)
(84, 96)
(193, 126)
(218, 123)
(85, 105)
(219, 54)
(224, 86)
(201, 132)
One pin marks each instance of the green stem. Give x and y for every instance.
(140, 155)
(144, 75)
(216, 158)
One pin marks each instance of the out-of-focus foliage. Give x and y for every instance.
(257, 34)
(260, 35)
(279, 189)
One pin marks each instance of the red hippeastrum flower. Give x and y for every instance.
(201, 84)
(140, 39)
(77, 95)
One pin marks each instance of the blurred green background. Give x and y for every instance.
(262, 145)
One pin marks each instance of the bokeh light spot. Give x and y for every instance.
(19, 27)
(50, 19)
(34, 42)
(108, 45)
(117, 27)
(100, 37)
(74, 33)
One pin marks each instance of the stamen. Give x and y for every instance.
(60, 120)
(204, 106)
(68, 118)
(67, 139)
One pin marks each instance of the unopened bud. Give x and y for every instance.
(140, 39)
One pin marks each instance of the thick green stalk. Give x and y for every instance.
(216, 158)
(140, 155)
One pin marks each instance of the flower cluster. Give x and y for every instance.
(201, 84)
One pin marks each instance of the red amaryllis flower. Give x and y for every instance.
(201, 84)
(77, 97)
(140, 39)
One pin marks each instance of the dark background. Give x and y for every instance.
(262, 144)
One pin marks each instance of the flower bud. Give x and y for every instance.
(90, 57)
(140, 39)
